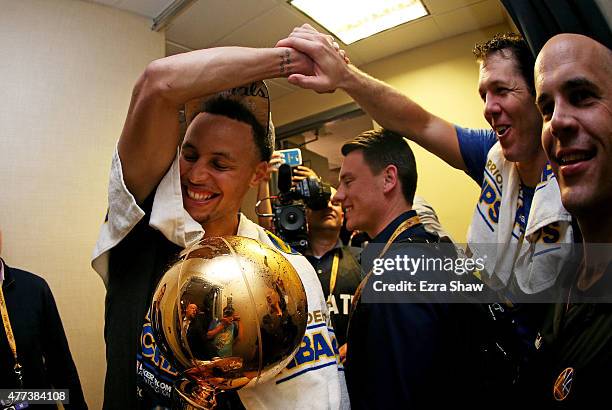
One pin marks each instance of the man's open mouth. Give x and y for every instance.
(502, 130)
(573, 157)
(201, 196)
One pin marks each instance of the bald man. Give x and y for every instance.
(573, 79)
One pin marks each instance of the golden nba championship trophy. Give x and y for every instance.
(229, 314)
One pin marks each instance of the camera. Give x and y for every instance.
(290, 208)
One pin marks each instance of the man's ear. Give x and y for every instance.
(261, 173)
(390, 178)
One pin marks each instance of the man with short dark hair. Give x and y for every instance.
(573, 77)
(373, 152)
(398, 352)
(507, 160)
(195, 139)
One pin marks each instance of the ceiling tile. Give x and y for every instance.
(112, 3)
(146, 8)
(279, 87)
(396, 40)
(443, 6)
(484, 14)
(264, 30)
(263, 26)
(205, 22)
(149, 8)
(172, 49)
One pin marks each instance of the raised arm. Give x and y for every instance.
(387, 106)
(151, 133)
(263, 193)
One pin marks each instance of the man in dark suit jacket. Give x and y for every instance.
(42, 348)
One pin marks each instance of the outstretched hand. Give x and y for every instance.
(330, 62)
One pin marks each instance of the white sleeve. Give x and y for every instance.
(167, 214)
(123, 214)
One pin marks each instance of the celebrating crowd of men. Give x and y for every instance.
(198, 136)
(544, 165)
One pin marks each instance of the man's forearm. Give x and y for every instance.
(186, 76)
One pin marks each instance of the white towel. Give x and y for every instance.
(167, 215)
(534, 256)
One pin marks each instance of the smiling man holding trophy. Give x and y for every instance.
(188, 154)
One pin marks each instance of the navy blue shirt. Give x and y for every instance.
(40, 340)
(475, 145)
(416, 230)
(406, 354)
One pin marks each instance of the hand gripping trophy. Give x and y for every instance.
(230, 313)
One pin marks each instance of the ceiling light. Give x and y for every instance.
(353, 20)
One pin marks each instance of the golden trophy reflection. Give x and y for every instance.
(229, 314)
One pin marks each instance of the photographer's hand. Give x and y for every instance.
(301, 172)
(273, 165)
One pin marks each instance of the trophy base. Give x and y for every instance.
(191, 395)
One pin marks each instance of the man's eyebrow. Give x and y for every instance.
(345, 176)
(579, 82)
(223, 154)
(569, 85)
(493, 83)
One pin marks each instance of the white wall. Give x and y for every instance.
(67, 69)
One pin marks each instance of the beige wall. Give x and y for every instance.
(443, 78)
(67, 70)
